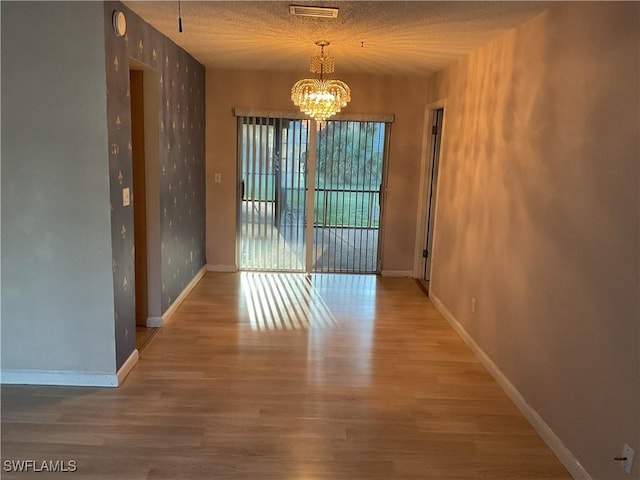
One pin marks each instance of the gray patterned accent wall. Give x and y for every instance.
(182, 165)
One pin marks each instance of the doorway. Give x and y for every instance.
(310, 194)
(145, 199)
(428, 194)
(136, 90)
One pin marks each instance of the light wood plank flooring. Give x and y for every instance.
(385, 390)
(144, 335)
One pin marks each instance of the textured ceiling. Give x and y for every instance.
(416, 37)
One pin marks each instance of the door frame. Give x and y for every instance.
(151, 109)
(426, 167)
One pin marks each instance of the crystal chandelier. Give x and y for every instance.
(317, 97)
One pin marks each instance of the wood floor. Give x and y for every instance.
(144, 335)
(386, 390)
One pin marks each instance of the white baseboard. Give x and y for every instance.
(565, 456)
(46, 377)
(66, 378)
(396, 273)
(222, 268)
(154, 322)
(187, 290)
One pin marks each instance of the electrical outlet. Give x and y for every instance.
(627, 453)
(473, 305)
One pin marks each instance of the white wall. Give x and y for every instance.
(538, 218)
(57, 283)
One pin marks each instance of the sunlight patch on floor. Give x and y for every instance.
(284, 301)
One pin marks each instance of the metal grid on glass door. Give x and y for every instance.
(272, 168)
(347, 199)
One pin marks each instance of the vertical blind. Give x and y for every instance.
(273, 186)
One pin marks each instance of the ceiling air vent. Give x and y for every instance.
(322, 12)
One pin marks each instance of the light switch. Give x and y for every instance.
(126, 199)
(217, 178)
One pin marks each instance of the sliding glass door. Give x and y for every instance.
(284, 189)
(347, 201)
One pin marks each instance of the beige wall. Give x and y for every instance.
(402, 96)
(538, 218)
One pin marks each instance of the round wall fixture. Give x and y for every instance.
(119, 23)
